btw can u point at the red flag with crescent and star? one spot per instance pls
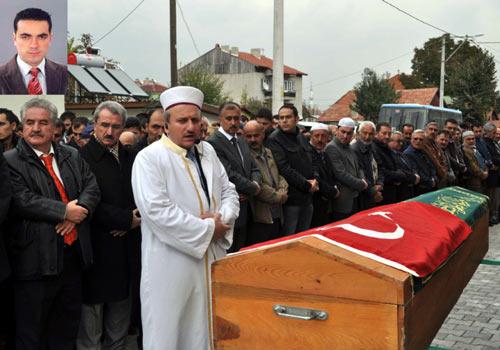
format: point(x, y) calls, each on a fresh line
point(411, 236)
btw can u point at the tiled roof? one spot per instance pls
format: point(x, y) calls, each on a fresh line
point(266, 62)
point(396, 83)
point(151, 87)
point(342, 107)
point(426, 96)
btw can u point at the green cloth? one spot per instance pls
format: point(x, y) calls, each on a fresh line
point(467, 205)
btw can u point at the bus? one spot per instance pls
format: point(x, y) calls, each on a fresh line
point(417, 115)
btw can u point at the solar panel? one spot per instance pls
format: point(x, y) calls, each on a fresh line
point(86, 80)
point(106, 80)
point(127, 82)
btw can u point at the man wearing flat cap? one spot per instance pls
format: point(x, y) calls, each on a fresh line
point(188, 209)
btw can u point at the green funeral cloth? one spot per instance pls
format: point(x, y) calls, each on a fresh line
point(467, 205)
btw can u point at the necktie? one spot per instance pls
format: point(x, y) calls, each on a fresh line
point(234, 141)
point(34, 87)
point(47, 161)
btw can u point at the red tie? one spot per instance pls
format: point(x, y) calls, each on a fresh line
point(47, 160)
point(34, 87)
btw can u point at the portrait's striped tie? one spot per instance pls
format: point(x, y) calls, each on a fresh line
point(34, 86)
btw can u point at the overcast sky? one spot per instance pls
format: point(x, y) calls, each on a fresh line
point(326, 39)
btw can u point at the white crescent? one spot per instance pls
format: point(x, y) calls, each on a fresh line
point(396, 234)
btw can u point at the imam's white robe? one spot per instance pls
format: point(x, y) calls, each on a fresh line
point(177, 246)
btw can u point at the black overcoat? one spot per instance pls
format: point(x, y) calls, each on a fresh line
point(109, 277)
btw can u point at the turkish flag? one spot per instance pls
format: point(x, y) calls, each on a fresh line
point(411, 236)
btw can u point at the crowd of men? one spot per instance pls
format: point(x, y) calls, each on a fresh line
point(76, 193)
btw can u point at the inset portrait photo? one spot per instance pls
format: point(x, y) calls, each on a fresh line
point(34, 50)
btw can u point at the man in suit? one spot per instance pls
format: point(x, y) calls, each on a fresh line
point(8, 126)
point(234, 154)
point(30, 72)
point(346, 170)
point(53, 195)
point(106, 308)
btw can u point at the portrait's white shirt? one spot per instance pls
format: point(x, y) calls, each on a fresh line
point(25, 70)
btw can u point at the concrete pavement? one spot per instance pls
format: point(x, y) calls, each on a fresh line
point(474, 322)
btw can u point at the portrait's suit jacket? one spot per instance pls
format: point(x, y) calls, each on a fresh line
point(12, 83)
point(241, 174)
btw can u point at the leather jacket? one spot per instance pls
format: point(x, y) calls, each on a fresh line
point(37, 250)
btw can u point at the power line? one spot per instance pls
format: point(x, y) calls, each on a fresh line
point(120, 22)
point(187, 27)
point(361, 71)
point(416, 18)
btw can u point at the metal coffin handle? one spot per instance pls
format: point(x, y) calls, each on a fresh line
point(300, 313)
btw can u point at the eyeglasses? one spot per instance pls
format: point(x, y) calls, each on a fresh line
point(418, 139)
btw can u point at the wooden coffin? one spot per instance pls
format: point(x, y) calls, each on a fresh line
point(354, 302)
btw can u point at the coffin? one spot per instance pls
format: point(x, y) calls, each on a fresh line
point(310, 294)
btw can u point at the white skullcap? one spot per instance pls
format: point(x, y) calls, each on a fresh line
point(467, 133)
point(319, 126)
point(347, 122)
point(181, 95)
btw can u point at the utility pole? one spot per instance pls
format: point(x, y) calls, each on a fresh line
point(444, 60)
point(278, 74)
point(173, 44)
point(441, 80)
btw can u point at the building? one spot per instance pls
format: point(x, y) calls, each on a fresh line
point(249, 75)
point(342, 107)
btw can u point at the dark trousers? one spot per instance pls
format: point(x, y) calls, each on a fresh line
point(48, 310)
point(239, 239)
point(7, 314)
point(258, 232)
point(337, 216)
point(296, 218)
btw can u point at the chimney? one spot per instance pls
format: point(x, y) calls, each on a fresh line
point(256, 52)
point(234, 51)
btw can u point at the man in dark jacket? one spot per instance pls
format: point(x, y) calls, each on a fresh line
point(291, 151)
point(393, 176)
point(4, 208)
point(328, 191)
point(6, 295)
point(421, 164)
point(363, 148)
point(54, 194)
point(407, 188)
point(493, 175)
point(346, 170)
point(106, 309)
point(234, 154)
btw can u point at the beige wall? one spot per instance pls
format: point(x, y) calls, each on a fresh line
point(15, 102)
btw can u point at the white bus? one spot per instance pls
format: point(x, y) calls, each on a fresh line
point(417, 115)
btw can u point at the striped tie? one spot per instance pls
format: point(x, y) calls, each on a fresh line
point(34, 87)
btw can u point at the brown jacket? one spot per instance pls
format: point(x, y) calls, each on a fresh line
point(473, 181)
point(438, 159)
point(269, 195)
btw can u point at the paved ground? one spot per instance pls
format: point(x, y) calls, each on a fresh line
point(474, 322)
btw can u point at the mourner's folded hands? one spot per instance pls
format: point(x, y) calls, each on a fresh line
point(136, 219)
point(65, 227)
point(75, 213)
point(220, 227)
